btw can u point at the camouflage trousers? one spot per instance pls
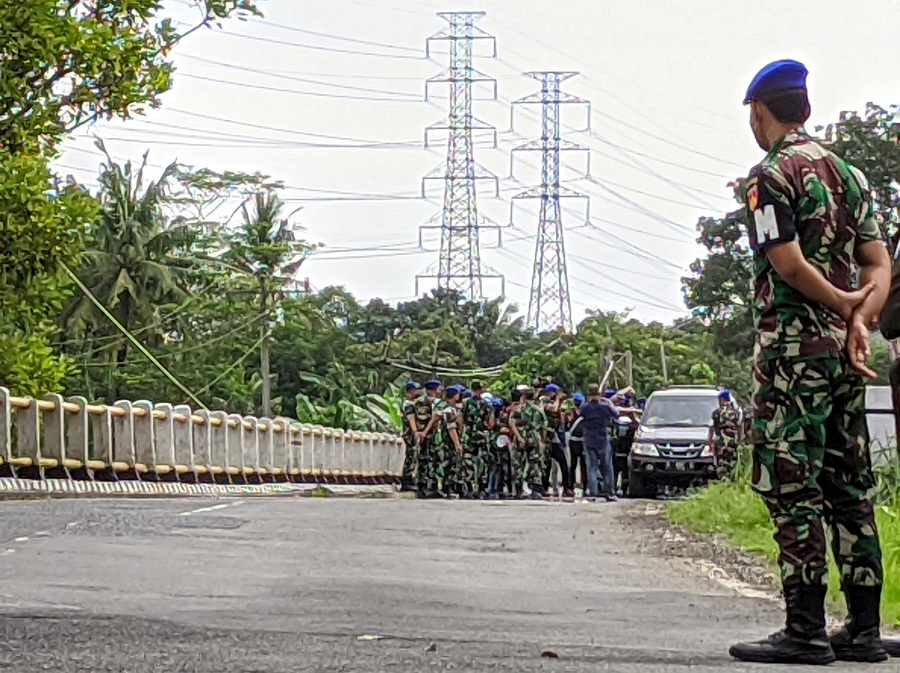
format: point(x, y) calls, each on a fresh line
point(410, 463)
point(531, 466)
point(516, 460)
point(465, 472)
point(726, 456)
point(811, 462)
point(431, 466)
point(499, 462)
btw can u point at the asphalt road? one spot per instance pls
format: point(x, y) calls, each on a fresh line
point(278, 585)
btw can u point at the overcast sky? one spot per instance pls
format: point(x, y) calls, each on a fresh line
point(666, 79)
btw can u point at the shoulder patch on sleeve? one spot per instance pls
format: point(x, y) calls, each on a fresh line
point(766, 224)
point(753, 198)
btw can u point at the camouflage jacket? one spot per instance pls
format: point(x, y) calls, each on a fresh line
point(424, 408)
point(804, 192)
point(408, 407)
point(531, 421)
point(726, 421)
point(446, 416)
point(477, 414)
point(554, 413)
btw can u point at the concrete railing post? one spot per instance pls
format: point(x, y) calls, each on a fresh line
point(218, 442)
point(53, 448)
point(296, 455)
point(164, 440)
point(28, 429)
point(184, 439)
point(235, 445)
point(266, 445)
point(251, 445)
point(144, 437)
point(281, 448)
point(5, 427)
point(78, 433)
point(201, 436)
point(123, 438)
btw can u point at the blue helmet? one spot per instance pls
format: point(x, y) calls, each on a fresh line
point(725, 395)
point(551, 388)
point(497, 402)
point(609, 394)
point(578, 398)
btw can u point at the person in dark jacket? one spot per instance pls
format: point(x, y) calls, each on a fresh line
point(596, 415)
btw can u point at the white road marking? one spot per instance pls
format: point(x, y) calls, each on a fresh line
point(21, 539)
point(211, 508)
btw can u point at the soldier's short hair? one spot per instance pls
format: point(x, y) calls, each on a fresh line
point(788, 107)
point(528, 394)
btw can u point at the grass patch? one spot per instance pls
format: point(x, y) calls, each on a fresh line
point(735, 511)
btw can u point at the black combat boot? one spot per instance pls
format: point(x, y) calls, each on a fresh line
point(803, 639)
point(860, 637)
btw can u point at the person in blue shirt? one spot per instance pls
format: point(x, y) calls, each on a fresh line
point(596, 415)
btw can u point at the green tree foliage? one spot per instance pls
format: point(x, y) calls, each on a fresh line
point(871, 142)
point(65, 63)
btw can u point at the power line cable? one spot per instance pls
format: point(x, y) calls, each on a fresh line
point(315, 94)
point(334, 50)
point(332, 36)
point(304, 80)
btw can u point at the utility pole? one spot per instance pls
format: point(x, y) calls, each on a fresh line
point(629, 368)
point(662, 357)
point(549, 305)
point(459, 266)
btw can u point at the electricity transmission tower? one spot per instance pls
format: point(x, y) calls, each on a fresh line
point(549, 305)
point(459, 265)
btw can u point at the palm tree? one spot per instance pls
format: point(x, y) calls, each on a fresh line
point(265, 247)
point(136, 261)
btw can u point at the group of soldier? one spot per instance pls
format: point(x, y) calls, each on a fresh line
point(467, 443)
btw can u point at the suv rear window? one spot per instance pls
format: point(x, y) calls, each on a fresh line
point(688, 411)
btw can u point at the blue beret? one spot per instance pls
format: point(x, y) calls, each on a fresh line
point(552, 388)
point(467, 393)
point(412, 385)
point(432, 385)
point(725, 395)
point(777, 76)
point(578, 397)
point(609, 394)
point(454, 390)
point(497, 402)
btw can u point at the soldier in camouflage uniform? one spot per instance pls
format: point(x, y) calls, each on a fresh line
point(516, 459)
point(411, 432)
point(529, 426)
point(448, 416)
point(498, 457)
point(725, 435)
point(810, 222)
point(430, 451)
point(478, 417)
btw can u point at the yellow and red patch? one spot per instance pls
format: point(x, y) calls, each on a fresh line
point(753, 197)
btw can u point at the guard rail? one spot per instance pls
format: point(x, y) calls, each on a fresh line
point(58, 438)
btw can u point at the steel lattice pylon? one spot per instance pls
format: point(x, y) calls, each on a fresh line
point(549, 305)
point(459, 265)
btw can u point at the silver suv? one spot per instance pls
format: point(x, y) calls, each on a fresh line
point(671, 445)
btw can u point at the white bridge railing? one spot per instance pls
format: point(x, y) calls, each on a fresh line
point(69, 438)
